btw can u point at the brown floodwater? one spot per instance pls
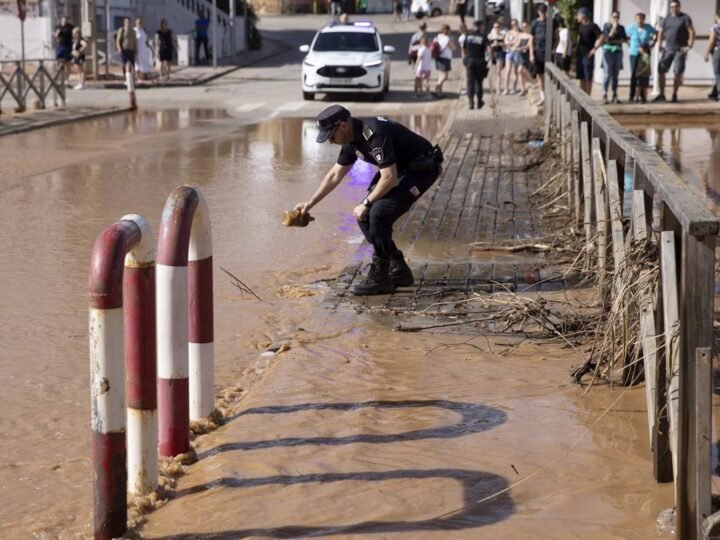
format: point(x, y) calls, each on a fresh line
point(356, 429)
point(689, 145)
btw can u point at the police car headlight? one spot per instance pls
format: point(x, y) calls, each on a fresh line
point(374, 63)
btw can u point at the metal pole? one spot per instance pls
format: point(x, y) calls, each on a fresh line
point(549, 34)
point(108, 34)
point(233, 41)
point(246, 29)
point(23, 104)
point(214, 32)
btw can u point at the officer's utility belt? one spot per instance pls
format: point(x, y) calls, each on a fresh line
point(427, 162)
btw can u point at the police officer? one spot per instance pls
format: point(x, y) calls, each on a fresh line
point(407, 166)
point(475, 46)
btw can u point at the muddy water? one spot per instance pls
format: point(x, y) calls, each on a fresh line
point(692, 149)
point(60, 187)
point(368, 465)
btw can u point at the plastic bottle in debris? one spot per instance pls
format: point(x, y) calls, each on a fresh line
point(536, 144)
point(666, 522)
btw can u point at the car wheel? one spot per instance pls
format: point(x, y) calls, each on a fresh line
point(436, 12)
point(419, 15)
point(308, 96)
point(386, 86)
point(379, 96)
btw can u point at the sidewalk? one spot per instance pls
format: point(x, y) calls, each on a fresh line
point(358, 430)
point(11, 123)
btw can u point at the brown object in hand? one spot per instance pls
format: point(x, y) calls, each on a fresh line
point(293, 218)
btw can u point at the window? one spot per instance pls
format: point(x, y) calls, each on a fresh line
point(346, 41)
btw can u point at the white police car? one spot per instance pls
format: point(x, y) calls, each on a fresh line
point(346, 58)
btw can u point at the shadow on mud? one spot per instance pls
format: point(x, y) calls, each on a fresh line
point(474, 418)
point(476, 485)
point(485, 499)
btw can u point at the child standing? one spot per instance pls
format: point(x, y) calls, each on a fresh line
point(423, 67)
point(643, 70)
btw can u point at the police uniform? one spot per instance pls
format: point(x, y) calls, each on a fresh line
point(475, 46)
point(383, 142)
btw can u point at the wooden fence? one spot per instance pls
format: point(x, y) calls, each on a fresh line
point(676, 321)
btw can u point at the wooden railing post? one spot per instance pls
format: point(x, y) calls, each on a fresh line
point(587, 182)
point(576, 164)
point(600, 181)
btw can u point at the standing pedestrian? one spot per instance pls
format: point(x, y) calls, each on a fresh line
point(126, 44)
point(523, 51)
point(443, 61)
point(612, 39)
point(202, 24)
point(496, 39)
point(63, 50)
point(679, 35)
point(538, 44)
point(335, 9)
point(397, 9)
point(166, 49)
point(643, 70)
point(512, 58)
point(79, 46)
point(461, 8)
point(407, 164)
point(405, 6)
point(638, 33)
point(423, 69)
point(144, 54)
point(562, 51)
point(475, 46)
point(713, 51)
point(588, 41)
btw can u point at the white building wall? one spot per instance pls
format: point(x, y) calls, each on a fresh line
point(697, 71)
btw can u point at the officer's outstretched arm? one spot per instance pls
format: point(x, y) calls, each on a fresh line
point(333, 177)
point(388, 180)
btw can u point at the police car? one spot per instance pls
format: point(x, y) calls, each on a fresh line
point(346, 58)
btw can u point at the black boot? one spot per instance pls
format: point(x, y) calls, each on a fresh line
point(378, 280)
point(714, 93)
point(400, 272)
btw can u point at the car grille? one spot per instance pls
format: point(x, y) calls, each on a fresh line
point(344, 72)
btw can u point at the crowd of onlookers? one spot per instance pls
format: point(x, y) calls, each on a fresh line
point(516, 54)
point(138, 53)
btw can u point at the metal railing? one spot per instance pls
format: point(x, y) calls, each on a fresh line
point(32, 78)
point(677, 320)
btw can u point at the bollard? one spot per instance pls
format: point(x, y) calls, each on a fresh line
point(130, 83)
point(140, 360)
point(185, 343)
point(107, 385)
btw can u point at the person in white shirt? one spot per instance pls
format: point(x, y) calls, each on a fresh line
point(423, 68)
point(562, 51)
point(443, 62)
point(496, 39)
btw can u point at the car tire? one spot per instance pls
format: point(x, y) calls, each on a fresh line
point(308, 96)
point(436, 12)
point(379, 96)
point(419, 15)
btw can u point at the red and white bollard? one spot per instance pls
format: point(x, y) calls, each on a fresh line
point(141, 363)
point(107, 364)
point(185, 343)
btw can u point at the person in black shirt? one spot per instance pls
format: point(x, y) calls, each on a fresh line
point(679, 34)
point(64, 37)
point(538, 44)
point(475, 47)
point(165, 48)
point(589, 39)
point(408, 165)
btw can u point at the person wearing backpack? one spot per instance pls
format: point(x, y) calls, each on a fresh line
point(415, 44)
point(442, 51)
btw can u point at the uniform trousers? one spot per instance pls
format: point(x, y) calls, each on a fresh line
point(377, 224)
point(475, 76)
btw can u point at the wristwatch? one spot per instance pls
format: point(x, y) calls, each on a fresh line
point(366, 202)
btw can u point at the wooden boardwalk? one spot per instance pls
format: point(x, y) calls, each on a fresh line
point(485, 194)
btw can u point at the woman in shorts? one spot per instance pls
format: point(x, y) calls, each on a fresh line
point(496, 37)
point(443, 62)
point(79, 45)
point(423, 68)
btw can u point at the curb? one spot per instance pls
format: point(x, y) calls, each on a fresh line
point(64, 120)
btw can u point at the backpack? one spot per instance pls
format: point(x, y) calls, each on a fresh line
point(414, 48)
point(435, 49)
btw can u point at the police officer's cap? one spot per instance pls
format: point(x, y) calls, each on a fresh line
point(328, 119)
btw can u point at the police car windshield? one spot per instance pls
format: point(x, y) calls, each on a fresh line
point(346, 41)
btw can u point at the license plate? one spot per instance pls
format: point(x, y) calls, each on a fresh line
point(340, 81)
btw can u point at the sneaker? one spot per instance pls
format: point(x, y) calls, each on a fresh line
point(674, 98)
point(378, 280)
point(400, 272)
point(523, 93)
point(78, 87)
point(615, 100)
point(660, 98)
point(506, 92)
point(540, 102)
point(471, 106)
point(713, 95)
point(605, 99)
point(481, 104)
